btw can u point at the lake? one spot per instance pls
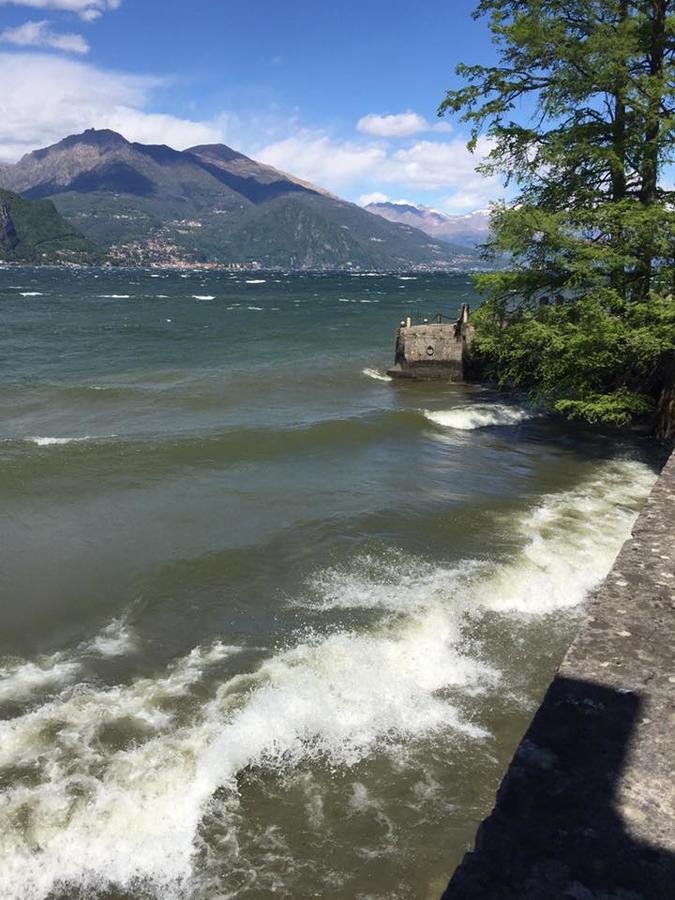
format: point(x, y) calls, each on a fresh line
point(272, 625)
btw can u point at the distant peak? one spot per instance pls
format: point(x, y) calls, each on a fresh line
point(97, 137)
point(104, 138)
point(397, 205)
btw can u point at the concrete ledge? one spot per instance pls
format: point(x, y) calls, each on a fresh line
point(587, 807)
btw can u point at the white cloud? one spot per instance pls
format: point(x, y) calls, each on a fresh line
point(39, 34)
point(423, 166)
point(460, 201)
point(378, 197)
point(86, 9)
point(398, 125)
point(314, 157)
point(433, 165)
point(375, 197)
point(44, 98)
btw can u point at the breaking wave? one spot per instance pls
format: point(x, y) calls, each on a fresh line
point(468, 418)
point(90, 812)
point(377, 375)
point(55, 441)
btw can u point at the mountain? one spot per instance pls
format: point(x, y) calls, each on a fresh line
point(32, 231)
point(468, 230)
point(149, 203)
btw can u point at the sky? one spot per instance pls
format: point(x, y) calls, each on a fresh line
point(343, 94)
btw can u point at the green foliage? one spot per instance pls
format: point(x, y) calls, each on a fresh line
point(598, 358)
point(583, 316)
point(32, 231)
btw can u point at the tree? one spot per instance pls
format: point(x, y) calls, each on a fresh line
point(580, 115)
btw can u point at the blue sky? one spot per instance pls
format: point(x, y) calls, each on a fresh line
point(343, 94)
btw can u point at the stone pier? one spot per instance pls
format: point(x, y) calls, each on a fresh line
point(433, 350)
point(586, 810)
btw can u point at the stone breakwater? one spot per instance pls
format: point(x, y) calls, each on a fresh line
point(586, 809)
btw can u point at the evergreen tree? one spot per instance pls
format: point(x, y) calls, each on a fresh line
point(584, 315)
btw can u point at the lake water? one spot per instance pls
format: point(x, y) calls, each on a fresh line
point(271, 625)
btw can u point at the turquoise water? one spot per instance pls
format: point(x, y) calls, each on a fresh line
point(272, 624)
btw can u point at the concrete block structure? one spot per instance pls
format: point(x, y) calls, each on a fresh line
point(433, 350)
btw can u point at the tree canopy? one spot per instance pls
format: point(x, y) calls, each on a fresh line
point(580, 117)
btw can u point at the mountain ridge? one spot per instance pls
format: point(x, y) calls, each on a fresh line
point(149, 203)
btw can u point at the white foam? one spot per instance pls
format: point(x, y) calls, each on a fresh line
point(115, 296)
point(32, 294)
point(255, 308)
point(60, 441)
point(480, 415)
point(256, 281)
point(395, 583)
point(53, 441)
point(138, 809)
point(203, 297)
point(378, 376)
point(570, 542)
point(20, 680)
point(116, 639)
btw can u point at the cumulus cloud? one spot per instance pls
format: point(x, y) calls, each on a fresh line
point(433, 165)
point(397, 125)
point(314, 157)
point(86, 9)
point(39, 34)
point(423, 166)
point(44, 98)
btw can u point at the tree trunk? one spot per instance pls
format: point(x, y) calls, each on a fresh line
point(650, 157)
point(618, 174)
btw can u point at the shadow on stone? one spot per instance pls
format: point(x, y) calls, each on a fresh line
point(557, 830)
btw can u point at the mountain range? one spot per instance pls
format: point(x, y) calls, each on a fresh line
point(144, 203)
point(470, 229)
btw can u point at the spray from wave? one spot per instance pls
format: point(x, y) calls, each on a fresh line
point(468, 418)
point(92, 812)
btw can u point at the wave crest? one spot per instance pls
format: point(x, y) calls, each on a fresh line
point(480, 415)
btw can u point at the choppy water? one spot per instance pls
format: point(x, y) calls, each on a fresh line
point(271, 624)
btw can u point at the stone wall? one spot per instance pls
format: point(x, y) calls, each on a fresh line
point(586, 810)
point(433, 350)
point(428, 351)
